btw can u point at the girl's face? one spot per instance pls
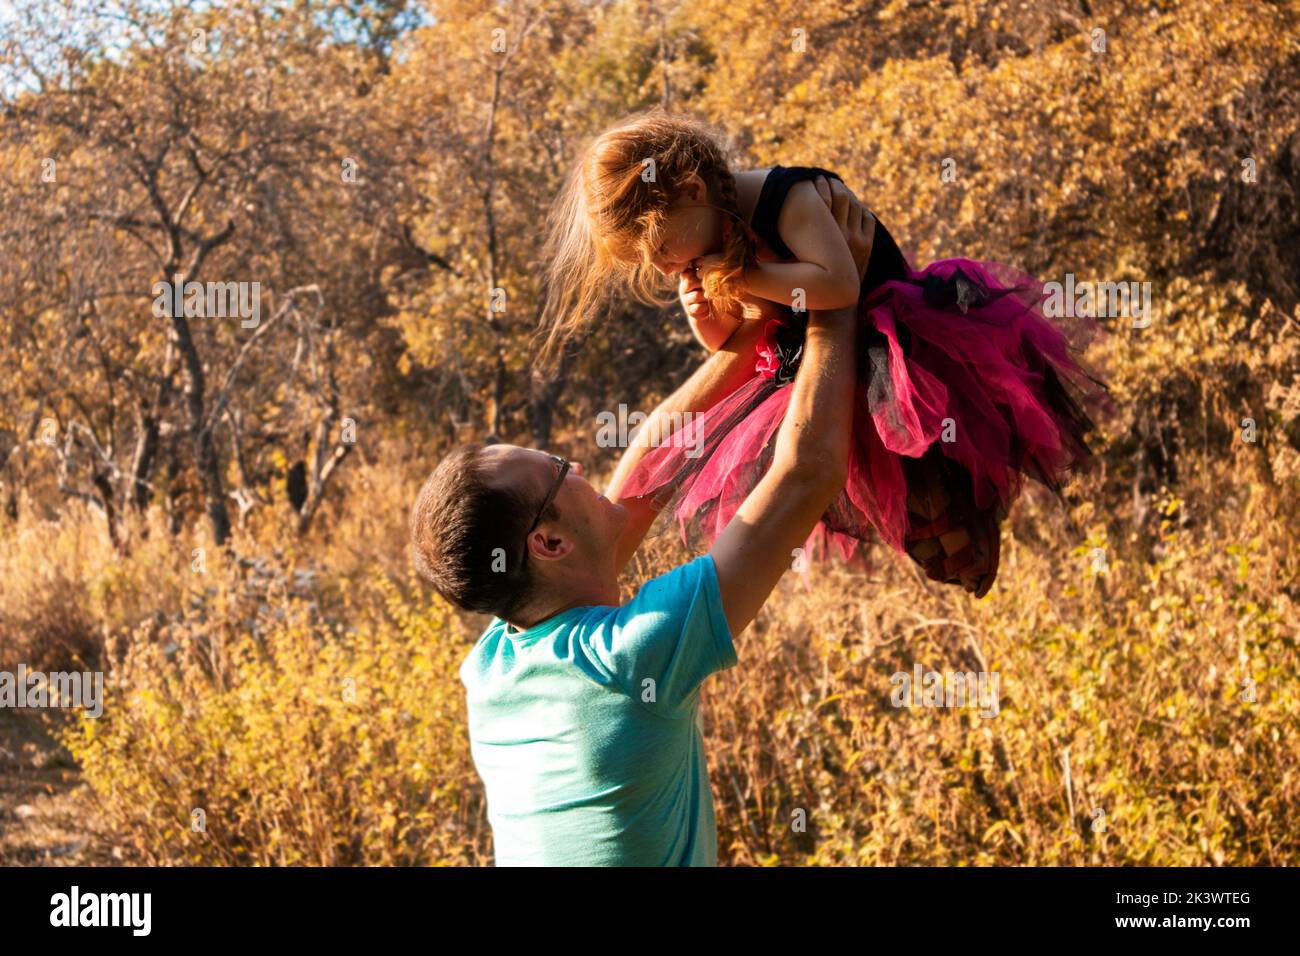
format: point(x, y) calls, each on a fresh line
point(693, 228)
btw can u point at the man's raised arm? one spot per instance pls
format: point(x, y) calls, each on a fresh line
point(808, 470)
point(810, 461)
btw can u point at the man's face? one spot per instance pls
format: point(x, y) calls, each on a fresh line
point(588, 520)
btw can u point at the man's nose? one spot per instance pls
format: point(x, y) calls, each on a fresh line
point(576, 467)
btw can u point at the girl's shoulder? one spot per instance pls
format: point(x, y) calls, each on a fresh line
point(771, 198)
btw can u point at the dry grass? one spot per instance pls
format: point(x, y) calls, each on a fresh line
point(239, 704)
point(48, 816)
point(306, 699)
point(1128, 685)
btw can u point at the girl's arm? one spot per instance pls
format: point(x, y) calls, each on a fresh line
point(826, 271)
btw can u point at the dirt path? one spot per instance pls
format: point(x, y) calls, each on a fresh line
point(47, 815)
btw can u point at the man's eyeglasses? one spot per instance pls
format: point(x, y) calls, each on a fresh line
point(564, 470)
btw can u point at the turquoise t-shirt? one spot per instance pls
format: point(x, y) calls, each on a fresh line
point(585, 728)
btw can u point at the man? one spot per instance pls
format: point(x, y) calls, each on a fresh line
point(583, 712)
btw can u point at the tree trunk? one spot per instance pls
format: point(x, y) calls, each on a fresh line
point(205, 452)
point(545, 397)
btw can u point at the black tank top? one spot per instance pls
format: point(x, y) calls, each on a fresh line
point(886, 260)
point(886, 263)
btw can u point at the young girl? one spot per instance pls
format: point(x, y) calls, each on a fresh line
point(965, 386)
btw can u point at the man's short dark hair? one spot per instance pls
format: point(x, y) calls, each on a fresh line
point(467, 538)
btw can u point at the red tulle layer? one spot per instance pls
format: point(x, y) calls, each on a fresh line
point(998, 387)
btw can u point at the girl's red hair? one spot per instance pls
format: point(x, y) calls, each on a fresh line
point(608, 220)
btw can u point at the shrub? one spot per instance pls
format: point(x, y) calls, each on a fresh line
point(302, 744)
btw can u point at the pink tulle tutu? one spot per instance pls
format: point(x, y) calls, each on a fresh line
point(957, 356)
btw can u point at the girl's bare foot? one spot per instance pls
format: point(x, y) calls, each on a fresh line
point(930, 503)
point(952, 542)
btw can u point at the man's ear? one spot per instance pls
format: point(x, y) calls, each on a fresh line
point(549, 547)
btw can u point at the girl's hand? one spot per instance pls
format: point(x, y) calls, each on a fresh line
point(713, 328)
point(691, 293)
point(704, 266)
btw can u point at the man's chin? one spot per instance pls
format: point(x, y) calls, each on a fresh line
point(617, 513)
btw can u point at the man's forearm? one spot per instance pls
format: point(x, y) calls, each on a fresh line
point(809, 467)
point(814, 436)
point(721, 374)
point(718, 377)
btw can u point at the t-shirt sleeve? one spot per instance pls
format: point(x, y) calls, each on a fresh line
point(661, 645)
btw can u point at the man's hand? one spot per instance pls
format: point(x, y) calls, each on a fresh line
point(809, 467)
point(854, 219)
